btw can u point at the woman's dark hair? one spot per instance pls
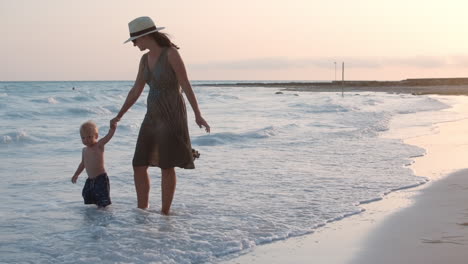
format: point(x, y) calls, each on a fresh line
point(163, 40)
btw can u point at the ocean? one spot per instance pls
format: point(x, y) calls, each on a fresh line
point(275, 166)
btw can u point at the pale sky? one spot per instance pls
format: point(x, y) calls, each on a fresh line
point(238, 40)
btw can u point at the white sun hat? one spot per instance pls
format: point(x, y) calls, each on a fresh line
point(141, 26)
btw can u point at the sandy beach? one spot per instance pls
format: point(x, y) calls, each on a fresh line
point(426, 224)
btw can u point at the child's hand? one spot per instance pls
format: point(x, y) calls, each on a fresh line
point(74, 178)
point(115, 120)
point(113, 124)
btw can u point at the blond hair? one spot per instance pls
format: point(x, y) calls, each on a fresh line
point(88, 126)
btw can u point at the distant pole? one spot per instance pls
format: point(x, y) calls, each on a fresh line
point(342, 80)
point(335, 71)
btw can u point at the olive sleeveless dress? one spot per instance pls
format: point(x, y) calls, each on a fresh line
point(164, 139)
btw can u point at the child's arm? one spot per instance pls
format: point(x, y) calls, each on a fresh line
point(79, 170)
point(109, 135)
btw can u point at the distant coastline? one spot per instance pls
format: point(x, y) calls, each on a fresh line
point(445, 86)
point(442, 86)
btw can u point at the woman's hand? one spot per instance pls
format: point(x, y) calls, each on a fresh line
point(113, 125)
point(114, 121)
point(202, 123)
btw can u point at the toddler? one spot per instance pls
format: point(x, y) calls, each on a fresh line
point(96, 189)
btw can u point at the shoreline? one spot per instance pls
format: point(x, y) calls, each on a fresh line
point(354, 239)
point(432, 230)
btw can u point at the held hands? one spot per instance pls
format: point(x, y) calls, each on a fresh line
point(113, 124)
point(202, 123)
point(114, 121)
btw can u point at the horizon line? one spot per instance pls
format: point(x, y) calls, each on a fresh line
point(255, 80)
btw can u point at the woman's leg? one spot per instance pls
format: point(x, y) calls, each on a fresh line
point(142, 185)
point(168, 185)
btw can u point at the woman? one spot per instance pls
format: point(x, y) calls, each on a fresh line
point(164, 139)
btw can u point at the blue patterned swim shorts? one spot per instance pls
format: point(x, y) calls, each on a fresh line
point(97, 191)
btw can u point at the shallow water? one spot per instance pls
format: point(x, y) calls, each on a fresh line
point(274, 166)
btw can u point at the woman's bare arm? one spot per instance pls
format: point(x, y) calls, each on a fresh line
point(134, 93)
point(178, 65)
